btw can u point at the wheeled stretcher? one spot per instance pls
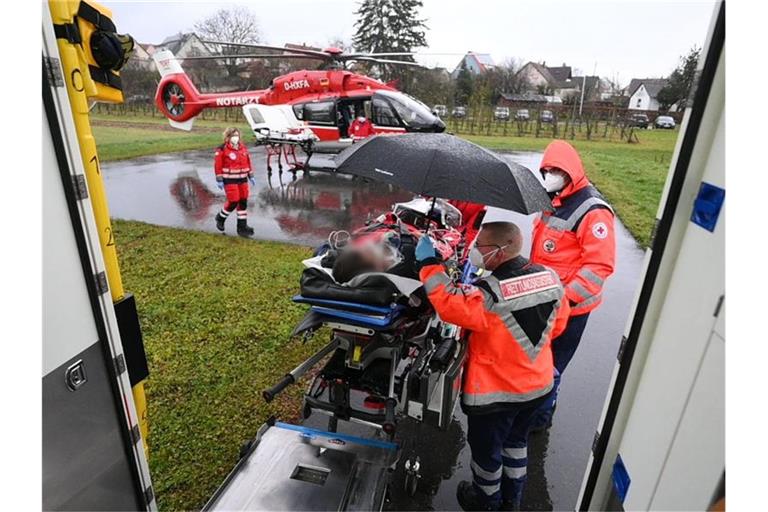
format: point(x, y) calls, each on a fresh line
point(383, 362)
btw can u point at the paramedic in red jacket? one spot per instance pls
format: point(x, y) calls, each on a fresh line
point(361, 127)
point(576, 240)
point(472, 215)
point(512, 316)
point(232, 165)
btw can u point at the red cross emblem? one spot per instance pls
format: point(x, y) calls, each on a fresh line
point(600, 230)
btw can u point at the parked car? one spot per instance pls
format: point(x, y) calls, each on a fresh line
point(440, 110)
point(522, 115)
point(639, 121)
point(459, 112)
point(501, 113)
point(665, 122)
point(546, 116)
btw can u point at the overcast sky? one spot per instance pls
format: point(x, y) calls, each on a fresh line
point(619, 38)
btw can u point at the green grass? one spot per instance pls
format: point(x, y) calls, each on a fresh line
point(119, 138)
point(216, 316)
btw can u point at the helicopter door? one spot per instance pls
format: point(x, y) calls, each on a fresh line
point(320, 117)
point(347, 109)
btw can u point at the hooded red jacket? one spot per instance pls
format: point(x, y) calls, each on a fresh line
point(471, 218)
point(577, 240)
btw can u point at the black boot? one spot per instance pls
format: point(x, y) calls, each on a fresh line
point(469, 498)
point(508, 505)
point(243, 229)
point(220, 219)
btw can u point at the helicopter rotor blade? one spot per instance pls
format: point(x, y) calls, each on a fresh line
point(389, 61)
point(251, 56)
point(398, 54)
point(308, 52)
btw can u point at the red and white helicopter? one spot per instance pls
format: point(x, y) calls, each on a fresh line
point(300, 108)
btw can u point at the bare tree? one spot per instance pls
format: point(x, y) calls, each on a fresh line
point(340, 43)
point(234, 25)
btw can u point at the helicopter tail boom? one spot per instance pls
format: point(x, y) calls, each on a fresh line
point(180, 101)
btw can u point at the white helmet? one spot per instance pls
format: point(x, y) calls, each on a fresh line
point(419, 211)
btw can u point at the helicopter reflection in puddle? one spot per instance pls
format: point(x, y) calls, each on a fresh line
point(314, 205)
point(305, 209)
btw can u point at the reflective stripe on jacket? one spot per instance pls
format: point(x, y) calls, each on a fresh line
point(512, 316)
point(232, 165)
point(578, 239)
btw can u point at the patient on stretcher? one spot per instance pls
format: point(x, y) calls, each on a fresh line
point(375, 264)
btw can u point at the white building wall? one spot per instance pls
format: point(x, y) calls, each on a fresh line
point(533, 78)
point(640, 100)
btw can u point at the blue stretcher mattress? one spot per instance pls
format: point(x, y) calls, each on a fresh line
point(359, 314)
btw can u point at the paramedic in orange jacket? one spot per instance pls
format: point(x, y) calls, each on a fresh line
point(576, 240)
point(511, 316)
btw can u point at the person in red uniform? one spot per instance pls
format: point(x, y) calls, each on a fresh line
point(472, 215)
point(361, 127)
point(512, 317)
point(576, 240)
point(232, 165)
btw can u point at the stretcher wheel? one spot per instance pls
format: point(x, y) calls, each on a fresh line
point(411, 483)
point(412, 475)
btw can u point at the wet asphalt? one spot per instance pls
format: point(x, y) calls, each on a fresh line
point(179, 190)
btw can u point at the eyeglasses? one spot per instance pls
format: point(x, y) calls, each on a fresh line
point(497, 246)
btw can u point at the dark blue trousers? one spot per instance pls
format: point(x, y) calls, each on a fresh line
point(563, 349)
point(499, 444)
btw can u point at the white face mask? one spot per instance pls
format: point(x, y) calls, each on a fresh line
point(480, 260)
point(361, 118)
point(234, 140)
point(554, 181)
point(476, 258)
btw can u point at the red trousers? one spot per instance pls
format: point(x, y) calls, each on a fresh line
point(237, 197)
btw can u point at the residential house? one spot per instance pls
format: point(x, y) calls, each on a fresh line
point(476, 63)
point(182, 45)
point(642, 93)
point(557, 81)
point(539, 78)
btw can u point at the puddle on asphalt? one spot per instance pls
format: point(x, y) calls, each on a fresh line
point(179, 190)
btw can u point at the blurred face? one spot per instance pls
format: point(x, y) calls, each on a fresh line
point(372, 257)
point(234, 139)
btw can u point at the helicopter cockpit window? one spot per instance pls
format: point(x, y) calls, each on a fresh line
point(383, 113)
point(298, 111)
point(320, 112)
point(412, 112)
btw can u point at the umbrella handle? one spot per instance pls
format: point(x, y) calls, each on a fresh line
point(429, 215)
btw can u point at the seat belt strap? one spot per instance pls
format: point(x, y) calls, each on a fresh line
point(106, 77)
point(68, 31)
point(93, 16)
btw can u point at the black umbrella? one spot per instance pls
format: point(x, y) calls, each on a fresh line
point(446, 166)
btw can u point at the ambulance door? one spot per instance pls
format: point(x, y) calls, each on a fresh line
point(660, 443)
point(93, 455)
